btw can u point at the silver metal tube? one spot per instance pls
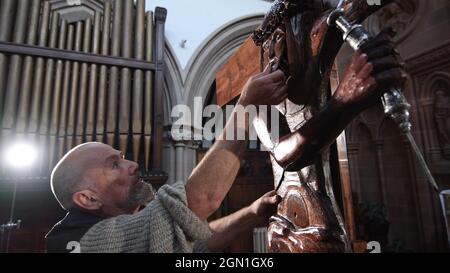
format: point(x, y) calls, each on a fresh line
point(15, 67)
point(92, 91)
point(148, 90)
point(48, 82)
point(72, 119)
point(39, 72)
point(44, 155)
point(422, 161)
point(56, 106)
point(102, 87)
point(125, 77)
point(6, 19)
point(82, 99)
point(111, 122)
point(138, 81)
point(25, 87)
point(63, 121)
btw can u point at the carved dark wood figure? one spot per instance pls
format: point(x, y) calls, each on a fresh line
point(296, 38)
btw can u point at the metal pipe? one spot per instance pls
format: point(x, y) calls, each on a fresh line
point(82, 99)
point(33, 125)
point(56, 107)
point(38, 80)
point(63, 121)
point(112, 117)
point(102, 86)
point(25, 87)
point(15, 67)
point(6, 17)
point(92, 91)
point(125, 78)
point(160, 18)
point(47, 100)
point(138, 81)
point(72, 119)
point(148, 93)
point(422, 161)
point(48, 82)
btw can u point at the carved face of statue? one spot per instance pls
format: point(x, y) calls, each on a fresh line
point(288, 47)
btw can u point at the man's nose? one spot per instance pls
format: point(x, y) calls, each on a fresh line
point(133, 168)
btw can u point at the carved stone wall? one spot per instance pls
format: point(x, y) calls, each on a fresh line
point(382, 166)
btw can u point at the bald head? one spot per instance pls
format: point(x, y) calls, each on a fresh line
point(69, 174)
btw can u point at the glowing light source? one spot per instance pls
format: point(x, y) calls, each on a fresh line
point(20, 155)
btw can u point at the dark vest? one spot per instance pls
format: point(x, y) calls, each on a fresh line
point(65, 236)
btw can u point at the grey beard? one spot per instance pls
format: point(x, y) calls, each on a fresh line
point(142, 196)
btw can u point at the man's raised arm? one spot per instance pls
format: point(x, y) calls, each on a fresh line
point(211, 180)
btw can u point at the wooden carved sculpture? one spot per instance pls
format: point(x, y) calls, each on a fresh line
point(295, 38)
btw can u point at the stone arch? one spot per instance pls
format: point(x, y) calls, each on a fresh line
point(403, 16)
point(183, 85)
point(432, 81)
point(196, 79)
point(214, 53)
point(355, 129)
point(436, 93)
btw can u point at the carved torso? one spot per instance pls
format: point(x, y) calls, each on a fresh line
point(307, 219)
point(296, 39)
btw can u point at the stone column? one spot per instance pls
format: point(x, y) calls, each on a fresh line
point(380, 168)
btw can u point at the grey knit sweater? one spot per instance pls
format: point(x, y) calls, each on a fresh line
point(165, 225)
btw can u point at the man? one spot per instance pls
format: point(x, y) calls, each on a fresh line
point(102, 192)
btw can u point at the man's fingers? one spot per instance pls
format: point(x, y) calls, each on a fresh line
point(265, 72)
point(272, 199)
point(275, 199)
point(276, 77)
point(280, 94)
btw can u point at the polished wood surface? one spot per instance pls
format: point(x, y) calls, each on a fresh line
point(297, 40)
point(232, 77)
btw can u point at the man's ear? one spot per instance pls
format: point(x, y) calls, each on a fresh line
point(86, 199)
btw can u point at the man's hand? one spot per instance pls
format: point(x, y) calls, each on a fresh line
point(265, 88)
point(264, 207)
point(212, 178)
point(227, 229)
point(375, 68)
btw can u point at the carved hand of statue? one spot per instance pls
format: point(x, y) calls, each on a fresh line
point(265, 88)
point(374, 69)
point(264, 207)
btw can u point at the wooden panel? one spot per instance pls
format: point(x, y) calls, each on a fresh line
point(234, 74)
